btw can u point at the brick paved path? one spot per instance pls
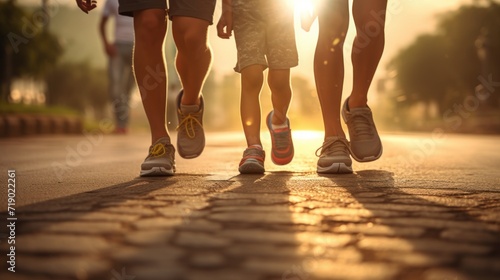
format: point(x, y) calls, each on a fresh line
point(373, 224)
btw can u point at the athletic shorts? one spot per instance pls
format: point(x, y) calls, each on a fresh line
point(264, 34)
point(202, 9)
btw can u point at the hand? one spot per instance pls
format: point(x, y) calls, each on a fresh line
point(86, 5)
point(111, 50)
point(225, 24)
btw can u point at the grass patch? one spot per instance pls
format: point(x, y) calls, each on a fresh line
point(38, 110)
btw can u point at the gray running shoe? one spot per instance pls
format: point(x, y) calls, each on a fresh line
point(161, 159)
point(190, 136)
point(365, 142)
point(334, 157)
point(252, 161)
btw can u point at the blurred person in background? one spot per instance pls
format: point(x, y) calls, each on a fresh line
point(119, 52)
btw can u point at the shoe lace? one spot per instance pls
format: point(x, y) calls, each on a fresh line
point(157, 150)
point(333, 146)
point(281, 139)
point(252, 152)
point(362, 126)
point(189, 122)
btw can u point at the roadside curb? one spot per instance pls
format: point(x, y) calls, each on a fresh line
point(22, 125)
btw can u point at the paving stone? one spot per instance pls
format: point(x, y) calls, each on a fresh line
point(182, 190)
point(354, 212)
point(175, 198)
point(200, 240)
point(374, 229)
point(447, 201)
point(266, 218)
point(405, 207)
point(324, 239)
point(162, 271)
point(149, 237)
point(112, 217)
point(262, 250)
point(255, 208)
point(201, 225)
point(470, 236)
point(221, 274)
point(138, 203)
point(326, 269)
point(437, 223)
point(258, 235)
point(157, 255)
point(58, 243)
point(444, 273)
point(25, 276)
point(157, 222)
point(490, 264)
point(207, 260)
point(74, 227)
point(347, 255)
point(371, 200)
point(133, 210)
point(415, 259)
point(316, 204)
point(274, 267)
point(260, 198)
point(66, 266)
point(369, 194)
point(425, 245)
point(345, 218)
point(230, 202)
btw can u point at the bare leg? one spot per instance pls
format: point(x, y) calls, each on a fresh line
point(279, 83)
point(329, 63)
point(252, 78)
point(194, 55)
point(149, 67)
point(369, 17)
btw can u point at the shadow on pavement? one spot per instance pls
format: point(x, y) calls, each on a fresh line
point(428, 232)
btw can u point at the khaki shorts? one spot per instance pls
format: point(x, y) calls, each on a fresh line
point(202, 9)
point(264, 34)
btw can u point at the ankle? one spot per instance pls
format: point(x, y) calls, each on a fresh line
point(357, 102)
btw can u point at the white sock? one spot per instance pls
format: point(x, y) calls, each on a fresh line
point(279, 126)
point(256, 146)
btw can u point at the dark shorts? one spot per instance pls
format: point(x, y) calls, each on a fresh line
point(202, 9)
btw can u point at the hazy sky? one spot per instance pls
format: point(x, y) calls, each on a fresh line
point(406, 20)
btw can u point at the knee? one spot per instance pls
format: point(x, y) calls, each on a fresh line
point(252, 78)
point(192, 42)
point(150, 26)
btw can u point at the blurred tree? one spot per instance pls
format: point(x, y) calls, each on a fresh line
point(79, 86)
point(304, 95)
point(26, 48)
point(443, 68)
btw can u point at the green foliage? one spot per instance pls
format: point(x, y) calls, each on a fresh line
point(26, 47)
point(78, 86)
point(443, 68)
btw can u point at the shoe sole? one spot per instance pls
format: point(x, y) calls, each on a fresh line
point(157, 171)
point(335, 168)
point(367, 159)
point(251, 166)
point(184, 156)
